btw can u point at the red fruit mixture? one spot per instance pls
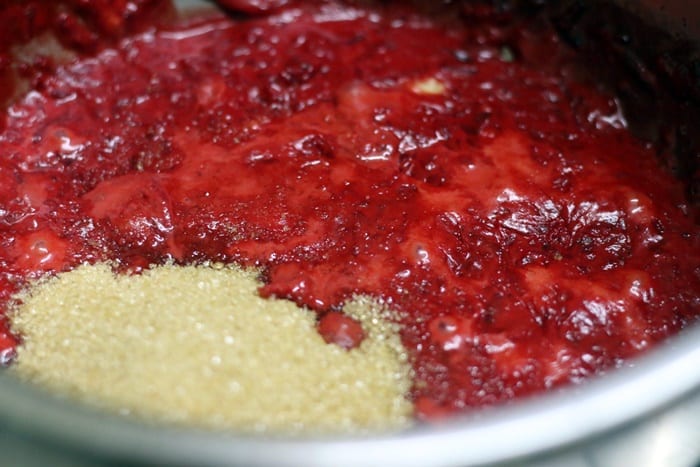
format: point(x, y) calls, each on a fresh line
point(526, 239)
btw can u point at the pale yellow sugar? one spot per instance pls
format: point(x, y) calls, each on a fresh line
point(197, 345)
point(428, 86)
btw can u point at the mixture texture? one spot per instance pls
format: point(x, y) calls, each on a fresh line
point(462, 174)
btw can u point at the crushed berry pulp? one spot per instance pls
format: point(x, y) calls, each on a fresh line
point(460, 173)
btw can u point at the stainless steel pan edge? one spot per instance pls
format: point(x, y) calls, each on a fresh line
point(681, 17)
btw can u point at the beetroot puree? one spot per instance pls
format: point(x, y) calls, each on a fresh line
point(526, 238)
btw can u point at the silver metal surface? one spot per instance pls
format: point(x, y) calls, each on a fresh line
point(682, 17)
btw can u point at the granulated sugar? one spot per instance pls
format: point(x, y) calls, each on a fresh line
point(197, 345)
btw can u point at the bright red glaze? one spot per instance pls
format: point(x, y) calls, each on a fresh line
point(527, 239)
point(340, 329)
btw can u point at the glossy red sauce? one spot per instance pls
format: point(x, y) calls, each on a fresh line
point(526, 237)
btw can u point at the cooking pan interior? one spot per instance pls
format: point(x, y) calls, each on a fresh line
point(663, 378)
